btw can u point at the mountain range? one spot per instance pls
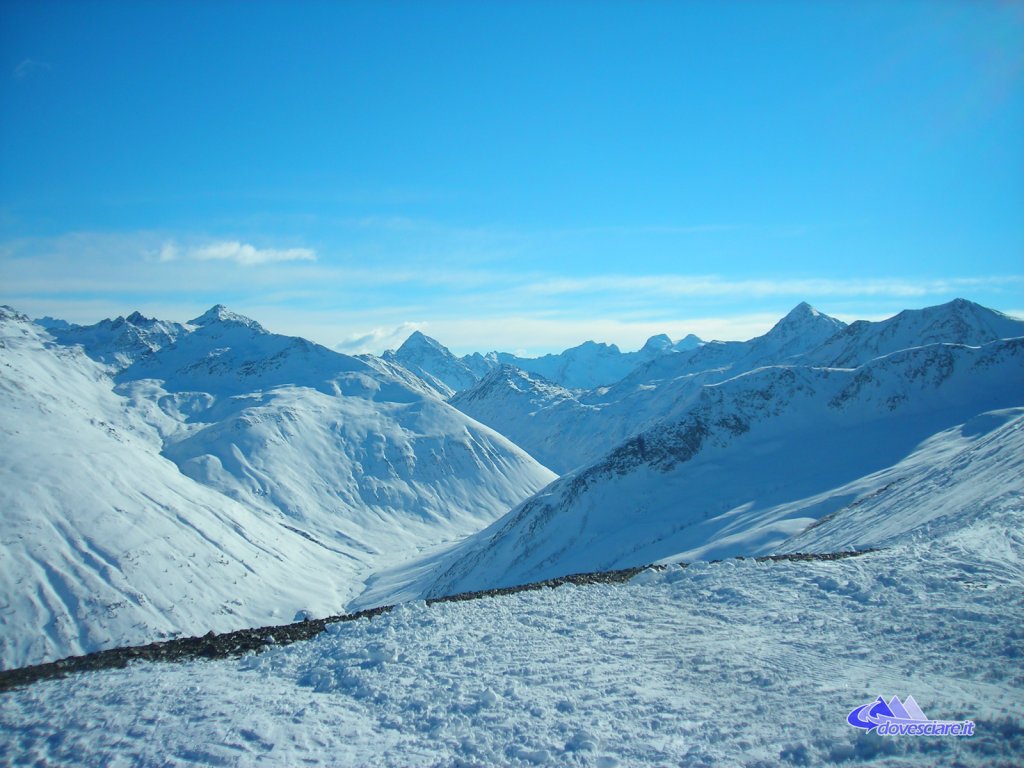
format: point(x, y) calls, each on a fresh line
point(163, 478)
point(160, 478)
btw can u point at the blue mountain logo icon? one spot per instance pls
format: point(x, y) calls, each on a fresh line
point(904, 718)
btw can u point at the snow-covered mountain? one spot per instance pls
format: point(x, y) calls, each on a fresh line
point(755, 460)
point(434, 363)
point(589, 365)
point(565, 429)
point(570, 429)
point(121, 341)
point(959, 322)
point(802, 330)
point(531, 411)
point(216, 477)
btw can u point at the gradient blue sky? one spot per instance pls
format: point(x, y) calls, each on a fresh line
point(521, 176)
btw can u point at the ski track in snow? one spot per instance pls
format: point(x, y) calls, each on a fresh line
point(733, 664)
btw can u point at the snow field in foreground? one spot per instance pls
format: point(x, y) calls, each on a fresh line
point(735, 663)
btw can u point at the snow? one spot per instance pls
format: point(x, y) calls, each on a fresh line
point(587, 366)
point(566, 429)
point(434, 364)
point(217, 477)
point(958, 321)
point(161, 479)
point(92, 557)
point(753, 461)
point(737, 663)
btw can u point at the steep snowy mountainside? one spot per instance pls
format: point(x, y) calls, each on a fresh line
point(586, 366)
point(755, 460)
point(802, 329)
point(359, 466)
point(424, 384)
point(226, 353)
point(105, 542)
point(688, 342)
point(53, 323)
point(533, 412)
point(377, 477)
point(121, 341)
point(591, 364)
point(292, 427)
point(569, 429)
point(566, 429)
point(565, 435)
point(960, 473)
point(481, 365)
point(434, 363)
point(220, 315)
point(958, 322)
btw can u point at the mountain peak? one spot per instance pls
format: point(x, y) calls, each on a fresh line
point(657, 343)
point(800, 331)
point(592, 347)
point(10, 313)
point(803, 309)
point(688, 342)
point(803, 315)
point(420, 340)
point(219, 314)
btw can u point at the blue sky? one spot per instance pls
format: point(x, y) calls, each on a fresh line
point(520, 176)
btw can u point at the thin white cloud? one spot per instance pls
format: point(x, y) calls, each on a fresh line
point(713, 286)
point(666, 229)
point(378, 339)
point(30, 67)
point(471, 305)
point(168, 251)
point(248, 255)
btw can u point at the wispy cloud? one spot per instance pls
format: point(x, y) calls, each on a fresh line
point(248, 255)
point(378, 339)
point(168, 251)
point(652, 229)
point(30, 67)
point(713, 286)
point(367, 299)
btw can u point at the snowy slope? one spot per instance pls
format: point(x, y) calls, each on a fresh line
point(755, 460)
point(586, 366)
point(105, 542)
point(434, 363)
point(349, 467)
point(565, 430)
point(959, 322)
point(732, 664)
point(327, 440)
point(959, 473)
point(800, 331)
point(121, 341)
point(534, 413)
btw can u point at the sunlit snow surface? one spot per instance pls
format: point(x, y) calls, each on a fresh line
point(230, 478)
point(735, 663)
